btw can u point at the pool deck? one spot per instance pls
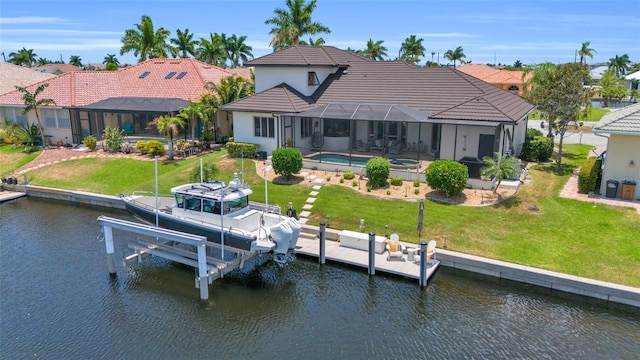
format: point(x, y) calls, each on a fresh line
point(424, 163)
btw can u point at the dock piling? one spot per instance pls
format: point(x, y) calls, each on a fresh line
point(321, 257)
point(423, 264)
point(372, 253)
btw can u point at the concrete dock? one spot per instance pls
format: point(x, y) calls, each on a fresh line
point(10, 195)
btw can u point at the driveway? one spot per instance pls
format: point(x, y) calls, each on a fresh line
point(600, 142)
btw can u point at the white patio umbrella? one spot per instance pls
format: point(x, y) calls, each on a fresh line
point(420, 226)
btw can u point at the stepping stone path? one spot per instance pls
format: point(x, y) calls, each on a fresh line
point(304, 215)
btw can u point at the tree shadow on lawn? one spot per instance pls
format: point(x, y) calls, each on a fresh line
point(293, 180)
point(553, 169)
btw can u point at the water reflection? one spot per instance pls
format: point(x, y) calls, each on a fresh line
point(58, 301)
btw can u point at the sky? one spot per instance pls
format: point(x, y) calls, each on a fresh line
point(489, 31)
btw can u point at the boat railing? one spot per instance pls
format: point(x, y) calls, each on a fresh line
point(275, 209)
point(141, 194)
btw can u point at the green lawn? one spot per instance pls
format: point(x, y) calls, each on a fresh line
point(536, 227)
point(12, 158)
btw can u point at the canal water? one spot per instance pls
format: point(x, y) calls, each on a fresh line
point(58, 301)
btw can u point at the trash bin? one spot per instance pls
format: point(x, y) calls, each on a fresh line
point(628, 189)
point(612, 188)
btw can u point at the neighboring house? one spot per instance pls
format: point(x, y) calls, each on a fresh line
point(57, 69)
point(622, 161)
point(327, 99)
point(12, 75)
point(511, 80)
point(632, 80)
point(597, 72)
point(89, 101)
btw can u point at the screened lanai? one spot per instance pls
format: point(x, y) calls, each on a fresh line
point(363, 129)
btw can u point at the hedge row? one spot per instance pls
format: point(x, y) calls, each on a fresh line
point(235, 149)
point(589, 175)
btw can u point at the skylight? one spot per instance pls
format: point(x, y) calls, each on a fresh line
point(144, 74)
point(170, 75)
point(181, 75)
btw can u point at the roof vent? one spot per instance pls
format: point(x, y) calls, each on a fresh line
point(144, 74)
point(170, 75)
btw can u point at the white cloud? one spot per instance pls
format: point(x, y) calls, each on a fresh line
point(447, 35)
point(67, 44)
point(52, 32)
point(31, 20)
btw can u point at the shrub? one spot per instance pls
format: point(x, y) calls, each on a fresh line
point(388, 192)
point(396, 181)
point(341, 180)
point(416, 191)
point(28, 135)
point(113, 138)
point(378, 169)
point(537, 149)
point(416, 183)
point(286, 161)
point(141, 146)
point(155, 148)
point(533, 133)
point(237, 150)
point(447, 175)
point(589, 175)
point(90, 142)
point(328, 178)
point(208, 173)
point(354, 183)
point(349, 175)
point(368, 188)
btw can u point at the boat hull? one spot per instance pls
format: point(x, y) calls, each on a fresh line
point(170, 222)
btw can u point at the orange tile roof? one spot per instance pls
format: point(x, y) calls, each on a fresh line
point(493, 75)
point(80, 88)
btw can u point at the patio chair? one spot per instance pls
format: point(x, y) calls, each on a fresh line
point(394, 248)
point(394, 147)
point(431, 252)
point(128, 129)
point(362, 146)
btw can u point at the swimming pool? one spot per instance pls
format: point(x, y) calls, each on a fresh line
point(360, 160)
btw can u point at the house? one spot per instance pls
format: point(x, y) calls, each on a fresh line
point(622, 162)
point(57, 69)
point(511, 80)
point(323, 99)
point(89, 101)
point(12, 75)
point(597, 72)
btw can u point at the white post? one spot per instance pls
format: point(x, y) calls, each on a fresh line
point(222, 222)
point(266, 192)
point(156, 176)
point(201, 173)
point(108, 240)
point(202, 272)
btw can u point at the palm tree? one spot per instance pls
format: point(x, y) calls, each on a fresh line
point(585, 51)
point(23, 57)
point(375, 50)
point(290, 24)
point(412, 49)
point(75, 60)
point(455, 55)
point(184, 43)
point(169, 126)
point(212, 50)
point(43, 61)
point(111, 62)
point(318, 42)
point(230, 89)
point(619, 64)
point(237, 50)
point(144, 41)
point(32, 102)
point(500, 168)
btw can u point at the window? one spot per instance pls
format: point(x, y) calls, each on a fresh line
point(192, 203)
point(336, 127)
point(513, 88)
point(170, 75)
point(305, 127)
point(57, 119)
point(181, 75)
point(264, 127)
point(312, 79)
point(144, 74)
point(15, 115)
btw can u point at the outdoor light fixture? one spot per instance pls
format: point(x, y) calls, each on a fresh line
point(361, 225)
point(632, 163)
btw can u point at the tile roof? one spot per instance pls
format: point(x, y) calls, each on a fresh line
point(442, 92)
point(623, 121)
point(12, 75)
point(301, 55)
point(57, 68)
point(493, 75)
point(80, 88)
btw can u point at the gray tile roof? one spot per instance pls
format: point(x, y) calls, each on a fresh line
point(442, 92)
point(623, 121)
point(280, 99)
point(300, 55)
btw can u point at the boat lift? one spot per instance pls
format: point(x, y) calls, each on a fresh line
point(165, 245)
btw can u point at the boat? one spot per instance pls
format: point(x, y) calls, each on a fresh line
point(195, 208)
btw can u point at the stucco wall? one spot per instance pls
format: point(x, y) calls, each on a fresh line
point(266, 78)
point(621, 150)
point(243, 131)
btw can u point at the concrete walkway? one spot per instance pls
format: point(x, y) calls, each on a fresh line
point(570, 191)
